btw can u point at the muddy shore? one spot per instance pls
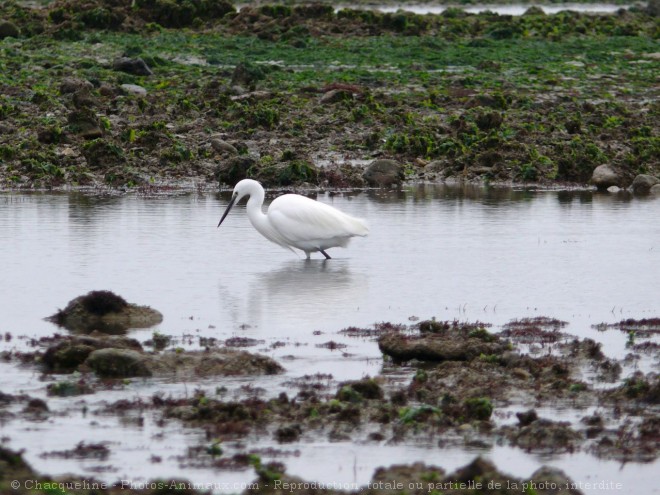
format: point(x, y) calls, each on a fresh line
point(102, 94)
point(462, 377)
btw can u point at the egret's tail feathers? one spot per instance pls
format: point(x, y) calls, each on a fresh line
point(359, 227)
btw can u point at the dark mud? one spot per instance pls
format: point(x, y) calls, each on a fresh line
point(106, 93)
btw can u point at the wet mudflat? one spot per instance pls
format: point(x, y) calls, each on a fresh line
point(516, 325)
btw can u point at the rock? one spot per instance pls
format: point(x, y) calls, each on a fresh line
point(223, 146)
point(614, 189)
point(9, 29)
point(118, 363)
point(527, 417)
point(438, 347)
point(357, 390)
point(106, 312)
point(655, 190)
point(552, 481)
point(36, 405)
point(107, 90)
point(235, 169)
point(83, 98)
point(543, 435)
point(336, 95)
point(102, 154)
point(436, 168)
point(653, 8)
point(135, 66)
point(391, 480)
point(69, 356)
point(479, 408)
point(222, 362)
point(134, 89)
point(605, 176)
point(72, 84)
point(85, 123)
point(246, 75)
point(643, 183)
point(534, 10)
point(235, 363)
point(383, 173)
point(288, 433)
point(69, 353)
point(489, 120)
point(477, 469)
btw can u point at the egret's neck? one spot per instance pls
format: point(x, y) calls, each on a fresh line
point(253, 208)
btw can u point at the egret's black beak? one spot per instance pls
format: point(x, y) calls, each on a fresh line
point(231, 203)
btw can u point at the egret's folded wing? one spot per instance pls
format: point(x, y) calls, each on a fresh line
point(298, 218)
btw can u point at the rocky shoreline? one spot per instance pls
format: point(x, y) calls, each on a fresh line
point(101, 94)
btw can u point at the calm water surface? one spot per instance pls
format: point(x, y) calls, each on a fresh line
point(434, 251)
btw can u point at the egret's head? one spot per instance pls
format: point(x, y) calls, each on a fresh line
point(246, 187)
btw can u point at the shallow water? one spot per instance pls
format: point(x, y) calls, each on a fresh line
point(434, 251)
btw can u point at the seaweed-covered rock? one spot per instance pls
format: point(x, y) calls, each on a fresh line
point(639, 387)
point(643, 183)
point(288, 433)
point(438, 347)
point(246, 75)
point(73, 85)
point(544, 435)
point(479, 476)
point(106, 312)
point(479, 408)
point(358, 390)
point(14, 468)
point(135, 66)
point(235, 363)
point(176, 14)
point(383, 173)
point(70, 352)
point(9, 29)
point(235, 169)
point(85, 124)
point(118, 363)
point(551, 481)
point(392, 480)
point(527, 417)
point(222, 146)
point(67, 356)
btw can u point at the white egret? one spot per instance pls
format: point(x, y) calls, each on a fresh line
point(294, 221)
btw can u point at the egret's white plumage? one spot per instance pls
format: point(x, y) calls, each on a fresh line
point(294, 221)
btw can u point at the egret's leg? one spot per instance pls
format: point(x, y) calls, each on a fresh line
point(327, 257)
